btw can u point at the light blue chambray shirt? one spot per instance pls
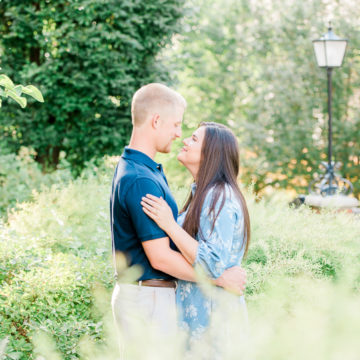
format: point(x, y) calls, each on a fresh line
point(218, 250)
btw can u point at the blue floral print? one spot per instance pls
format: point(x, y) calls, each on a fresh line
point(219, 248)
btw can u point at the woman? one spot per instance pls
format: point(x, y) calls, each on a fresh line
point(213, 228)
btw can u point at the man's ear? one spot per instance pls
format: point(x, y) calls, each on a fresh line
point(155, 121)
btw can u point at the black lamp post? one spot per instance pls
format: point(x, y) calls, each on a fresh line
point(330, 51)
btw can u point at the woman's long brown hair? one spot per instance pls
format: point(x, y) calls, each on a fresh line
point(219, 165)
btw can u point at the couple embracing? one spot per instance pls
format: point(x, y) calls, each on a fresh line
point(211, 231)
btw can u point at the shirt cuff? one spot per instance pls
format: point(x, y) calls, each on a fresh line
point(155, 236)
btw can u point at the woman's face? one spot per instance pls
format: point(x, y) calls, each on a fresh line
point(190, 154)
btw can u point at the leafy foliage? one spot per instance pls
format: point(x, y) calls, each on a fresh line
point(56, 251)
point(51, 260)
point(15, 91)
point(20, 176)
point(88, 57)
point(250, 64)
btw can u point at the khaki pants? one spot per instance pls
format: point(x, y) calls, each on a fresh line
point(142, 313)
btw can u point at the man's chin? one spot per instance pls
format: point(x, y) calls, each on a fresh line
point(166, 149)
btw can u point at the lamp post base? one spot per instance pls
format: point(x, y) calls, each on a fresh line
point(340, 202)
point(330, 183)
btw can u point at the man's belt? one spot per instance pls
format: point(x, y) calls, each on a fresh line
point(158, 283)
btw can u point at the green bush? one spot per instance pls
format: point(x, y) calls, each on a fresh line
point(20, 176)
point(55, 255)
point(88, 58)
point(53, 252)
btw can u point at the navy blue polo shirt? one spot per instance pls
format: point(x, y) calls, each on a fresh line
point(135, 176)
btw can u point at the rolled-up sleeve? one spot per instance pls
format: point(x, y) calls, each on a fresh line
point(215, 245)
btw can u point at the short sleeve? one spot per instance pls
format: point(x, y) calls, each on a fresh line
point(215, 244)
point(145, 228)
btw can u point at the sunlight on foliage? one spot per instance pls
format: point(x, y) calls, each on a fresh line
point(56, 278)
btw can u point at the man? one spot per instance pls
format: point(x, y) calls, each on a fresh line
point(157, 113)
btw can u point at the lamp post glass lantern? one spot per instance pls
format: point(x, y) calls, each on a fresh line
point(329, 52)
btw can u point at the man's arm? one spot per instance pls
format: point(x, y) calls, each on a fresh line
point(164, 259)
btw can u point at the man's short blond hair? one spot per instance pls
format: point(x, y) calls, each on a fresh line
point(153, 99)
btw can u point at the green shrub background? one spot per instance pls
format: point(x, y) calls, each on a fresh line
point(55, 254)
point(88, 58)
point(20, 176)
point(247, 64)
point(251, 65)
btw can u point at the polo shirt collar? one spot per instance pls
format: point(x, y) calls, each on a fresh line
point(140, 157)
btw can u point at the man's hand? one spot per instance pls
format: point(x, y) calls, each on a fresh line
point(233, 279)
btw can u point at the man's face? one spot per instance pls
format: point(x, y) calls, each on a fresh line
point(169, 129)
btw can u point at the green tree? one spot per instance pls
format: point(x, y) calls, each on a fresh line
point(250, 64)
point(88, 57)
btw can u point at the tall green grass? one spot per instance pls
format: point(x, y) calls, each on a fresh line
point(56, 279)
